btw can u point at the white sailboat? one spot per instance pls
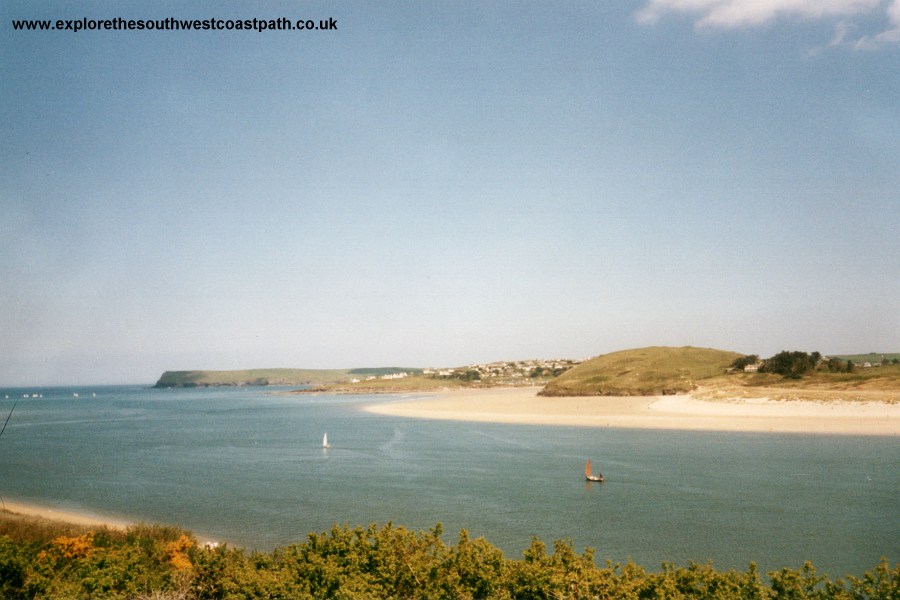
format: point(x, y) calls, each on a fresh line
point(325, 443)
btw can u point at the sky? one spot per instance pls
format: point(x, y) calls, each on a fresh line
point(445, 183)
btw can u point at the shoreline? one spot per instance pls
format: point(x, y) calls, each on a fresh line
point(87, 519)
point(73, 517)
point(684, 412)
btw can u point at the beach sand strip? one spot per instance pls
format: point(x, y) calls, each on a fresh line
point(67, 516)
point(679, 412)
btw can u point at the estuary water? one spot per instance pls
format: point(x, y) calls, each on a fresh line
point(245, 466)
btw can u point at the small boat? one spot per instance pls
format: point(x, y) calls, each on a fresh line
point(325, 443)
point(590, 476)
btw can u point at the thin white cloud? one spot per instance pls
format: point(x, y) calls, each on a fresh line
point(730, 14)
point(891, 35)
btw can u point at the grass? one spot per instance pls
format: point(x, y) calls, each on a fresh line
point(875, 384)
point(252, 377)
point(319, 377)
point(648, 371)
point(642, 372)
point(25, 528)
point(704, 372)
point(414, 383)
point(871, 357)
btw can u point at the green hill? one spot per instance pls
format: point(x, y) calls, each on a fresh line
point(641, 372)
point(171, 379)
point(319, 377)
point(871, 357)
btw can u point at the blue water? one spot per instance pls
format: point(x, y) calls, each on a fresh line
point(245, 466)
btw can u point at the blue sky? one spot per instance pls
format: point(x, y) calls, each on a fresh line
point(437, 184)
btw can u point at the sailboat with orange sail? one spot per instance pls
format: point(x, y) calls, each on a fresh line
point(589, 475)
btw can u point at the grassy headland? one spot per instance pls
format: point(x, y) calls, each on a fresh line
point(708, 374)
point(875, 384)
point(533, 372)
point(268, 377)
point(650, 371)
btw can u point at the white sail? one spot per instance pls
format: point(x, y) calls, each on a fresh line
point(325, 443)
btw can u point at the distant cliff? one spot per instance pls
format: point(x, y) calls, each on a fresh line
point(319, 377)
point(184, 379)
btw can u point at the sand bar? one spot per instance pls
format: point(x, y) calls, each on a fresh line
point(682, 412)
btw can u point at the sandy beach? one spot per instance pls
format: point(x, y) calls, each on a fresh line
point(68, 516)
point(85, 519)
point(683, 412)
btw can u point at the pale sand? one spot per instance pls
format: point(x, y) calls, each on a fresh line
point(84, 519)
point(524, 406)
point(67, 516)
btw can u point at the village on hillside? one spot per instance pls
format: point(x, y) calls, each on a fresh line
point(498, 373)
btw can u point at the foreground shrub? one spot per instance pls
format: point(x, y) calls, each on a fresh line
point(164, 563)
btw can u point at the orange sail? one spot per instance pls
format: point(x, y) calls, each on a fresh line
point(590, 476)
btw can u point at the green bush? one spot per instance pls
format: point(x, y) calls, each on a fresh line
point(164, 563)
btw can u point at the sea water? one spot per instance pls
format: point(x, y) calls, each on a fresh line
point(246, 466)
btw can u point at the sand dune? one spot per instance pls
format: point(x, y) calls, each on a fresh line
point(523, 406)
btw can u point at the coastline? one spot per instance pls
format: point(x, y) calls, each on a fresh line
point(680, 412)
point(84, 519)
point(89, 520)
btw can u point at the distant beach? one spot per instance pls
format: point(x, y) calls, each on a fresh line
point(682, 412)
point(74, 517)
point(67, 516)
